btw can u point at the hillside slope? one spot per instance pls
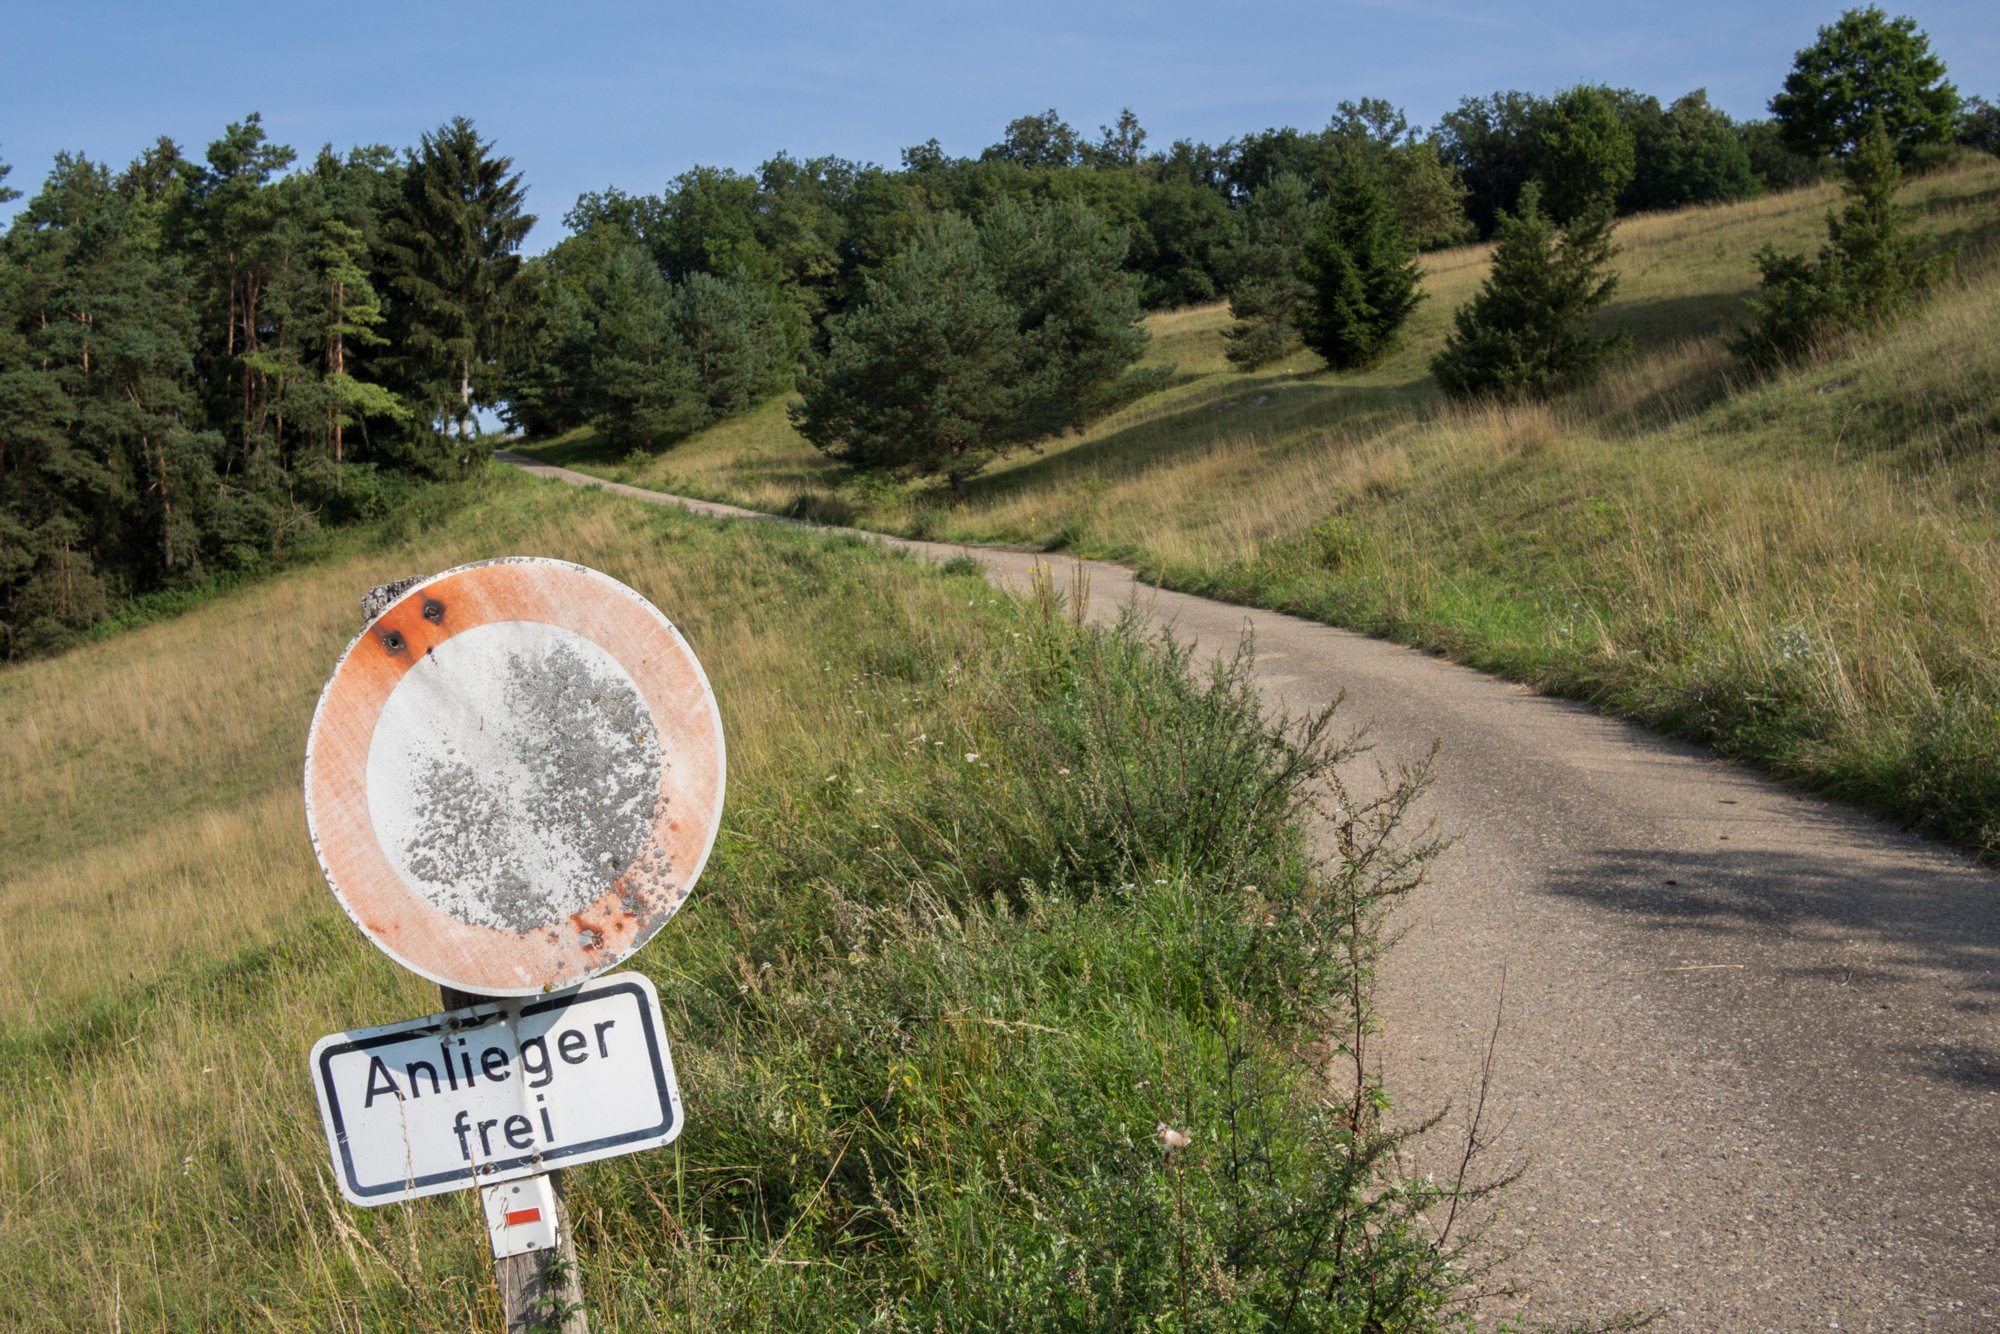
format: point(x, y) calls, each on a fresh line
point(974, 926)
point(1801, 571)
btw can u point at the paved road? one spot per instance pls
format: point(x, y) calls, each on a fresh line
point(1750, 1046)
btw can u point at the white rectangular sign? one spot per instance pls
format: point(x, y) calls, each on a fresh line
point(501, 1090)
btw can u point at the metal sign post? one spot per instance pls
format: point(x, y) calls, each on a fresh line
point(513, 780)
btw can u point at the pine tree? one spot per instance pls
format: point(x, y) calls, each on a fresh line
point(922, 378)
point(454, 272)
point(50, 584)
point(1059, 265)
point(1361, 273)
point(1267, 291)
point(1523, 335)
point(232, 223)
point(350, 317)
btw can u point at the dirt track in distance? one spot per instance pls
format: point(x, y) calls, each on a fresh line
point(1749, 1055)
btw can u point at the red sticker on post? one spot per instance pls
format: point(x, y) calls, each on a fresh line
point(515, 775)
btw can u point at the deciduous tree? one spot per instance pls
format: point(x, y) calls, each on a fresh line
point(1491, 143)
point(1584, 156)
point(1866, 66)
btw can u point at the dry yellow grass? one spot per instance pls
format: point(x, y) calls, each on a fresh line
point(172, 951)
point(153, 818)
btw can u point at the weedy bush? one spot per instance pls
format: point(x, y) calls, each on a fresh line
point(1077, 1042)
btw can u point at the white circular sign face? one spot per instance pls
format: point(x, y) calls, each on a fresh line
point(513, 779)
point(515, 775)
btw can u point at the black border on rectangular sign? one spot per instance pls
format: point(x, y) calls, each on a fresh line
point(500, 1169)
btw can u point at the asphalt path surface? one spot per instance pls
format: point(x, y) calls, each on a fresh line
point(1748, 1043)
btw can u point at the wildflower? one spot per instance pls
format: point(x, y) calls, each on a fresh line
point(972, 757)
point(1062, 773)
point(1171, 1139)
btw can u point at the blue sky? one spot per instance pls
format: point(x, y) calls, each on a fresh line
point(584, 95)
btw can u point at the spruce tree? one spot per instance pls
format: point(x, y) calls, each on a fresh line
point(736, 337)
point(641, 385)
point(451, 251)
point(1361, 273)
point(1266, 290)
point(1871, 268)
point(1524, 335)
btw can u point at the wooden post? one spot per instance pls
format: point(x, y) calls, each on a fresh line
point(535, 1286)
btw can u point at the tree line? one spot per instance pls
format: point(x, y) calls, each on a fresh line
point(206, 361)
point(1866, 99)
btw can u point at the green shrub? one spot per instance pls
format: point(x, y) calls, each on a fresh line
point(1076, 914)
point(1871, 269)
point(962, 564)
point(1524, 334)
point(1952, 785)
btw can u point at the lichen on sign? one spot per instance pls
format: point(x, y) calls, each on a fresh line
point(514, 775)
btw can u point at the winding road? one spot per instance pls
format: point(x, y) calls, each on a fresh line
point(1749, 1052)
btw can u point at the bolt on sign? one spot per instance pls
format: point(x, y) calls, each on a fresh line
point(514, 776)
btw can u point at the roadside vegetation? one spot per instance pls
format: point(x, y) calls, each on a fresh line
point(1010, 996)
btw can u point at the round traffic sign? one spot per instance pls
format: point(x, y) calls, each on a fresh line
point(514, 775)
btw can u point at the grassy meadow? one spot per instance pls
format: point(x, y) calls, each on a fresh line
point(997, 900)
point(1800, 570)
